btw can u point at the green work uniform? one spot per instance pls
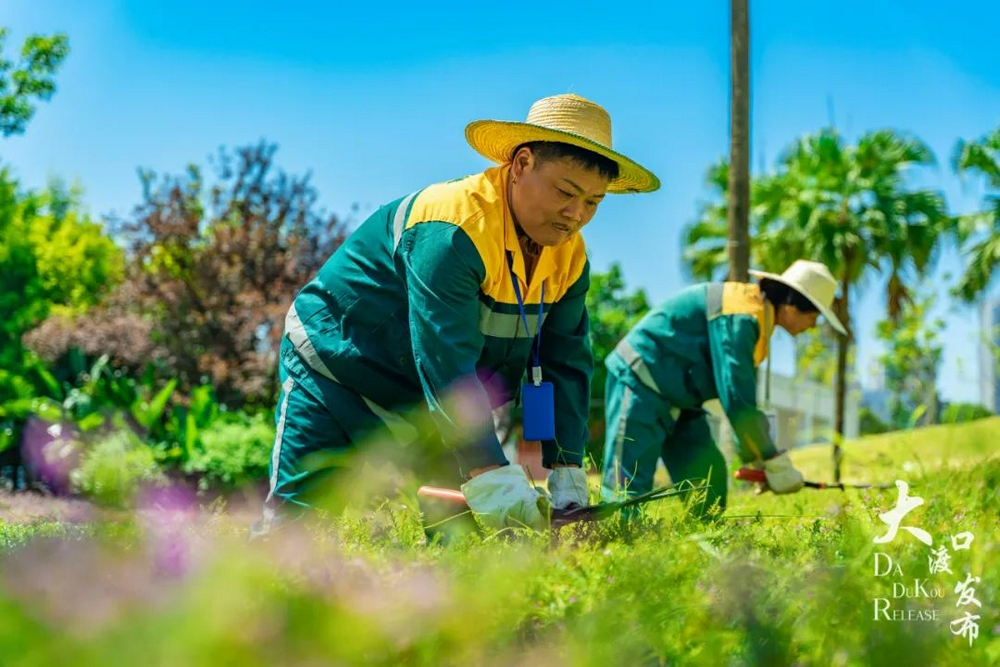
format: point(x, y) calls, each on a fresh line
point(704, 343)
point(416, 305)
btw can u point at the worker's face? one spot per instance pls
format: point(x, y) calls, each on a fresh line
point(554, 199)
point(794, 320)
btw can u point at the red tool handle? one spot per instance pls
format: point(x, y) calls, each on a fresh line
point(751, 475)
point(438, 493)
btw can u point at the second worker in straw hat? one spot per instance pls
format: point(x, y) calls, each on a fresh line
point(706, 342)
point(441, 300)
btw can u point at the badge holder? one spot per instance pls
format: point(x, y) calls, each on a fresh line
point(538, 405)
point(538, 408)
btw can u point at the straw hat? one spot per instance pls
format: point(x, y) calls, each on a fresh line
point(813, 281)
point(568, 119)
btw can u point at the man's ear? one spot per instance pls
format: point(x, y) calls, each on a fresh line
point(523, 161)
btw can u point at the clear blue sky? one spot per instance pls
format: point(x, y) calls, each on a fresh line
point(373, 99)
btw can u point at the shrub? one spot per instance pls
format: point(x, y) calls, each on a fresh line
point(957, 413)
point(232, 453)
point(113, 468)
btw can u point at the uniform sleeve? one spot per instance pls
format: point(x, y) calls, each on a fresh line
point(442, 273)
point(732, 339)
point(567, 362)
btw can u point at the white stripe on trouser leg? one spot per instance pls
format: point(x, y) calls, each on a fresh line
point(279, 433)
point(620, 438)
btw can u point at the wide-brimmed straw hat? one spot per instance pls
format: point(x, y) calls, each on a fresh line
point(813, 281)
point(568, 119)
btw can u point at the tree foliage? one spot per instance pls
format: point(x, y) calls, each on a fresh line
point(981, 230)
point(28, 79)
point(212, 270)
point(53, 259)
point(613, 311)
point(958, 413)
point(911, 361)
point(847, 205)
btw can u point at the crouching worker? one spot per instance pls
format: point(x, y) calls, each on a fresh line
point(468, 283)
point(704, 343)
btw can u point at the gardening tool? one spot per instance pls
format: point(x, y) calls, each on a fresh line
point(751, 475)
point(562, 517)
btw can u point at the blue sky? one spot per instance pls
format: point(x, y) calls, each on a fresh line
point(373, 99)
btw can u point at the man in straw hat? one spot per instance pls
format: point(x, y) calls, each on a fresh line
point(471, 281)
point(706, 342)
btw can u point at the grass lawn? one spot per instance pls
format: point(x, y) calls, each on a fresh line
point(778, 581)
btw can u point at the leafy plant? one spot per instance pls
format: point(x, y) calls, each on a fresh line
point(114, 467)
point(232, 453)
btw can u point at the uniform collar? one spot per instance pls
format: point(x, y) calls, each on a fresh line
point(545, 266)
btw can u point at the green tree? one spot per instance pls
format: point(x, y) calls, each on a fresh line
point(53, 258)
point(911, 361)
point(28, 79)
point(705, 255)
point(870, 423)
point(958, 413)
point(22, 299)
point(613, 311)
point(850, 207)
point(212, 269)
point(816, 356)
point(981, 230)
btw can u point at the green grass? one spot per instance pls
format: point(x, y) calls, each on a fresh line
point(791, 584)
point(925, 449)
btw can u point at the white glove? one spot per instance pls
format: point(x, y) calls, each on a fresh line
point(568, 486)
point(782, 477)
point(503, 497)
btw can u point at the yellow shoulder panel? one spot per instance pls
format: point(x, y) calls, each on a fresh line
point(473, 203)
point(476, 204)
point(746, 299)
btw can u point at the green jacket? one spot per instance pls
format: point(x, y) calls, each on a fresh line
point(420, 296)
point(706, 342)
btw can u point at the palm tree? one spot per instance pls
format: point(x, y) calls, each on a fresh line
point(706, 241)
point(851, 208)
point(981, 158)
point(848, 207)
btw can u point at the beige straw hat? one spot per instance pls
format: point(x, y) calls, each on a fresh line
point(568, 119)
point(813, 281)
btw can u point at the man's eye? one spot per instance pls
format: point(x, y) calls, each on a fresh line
point(564, 193)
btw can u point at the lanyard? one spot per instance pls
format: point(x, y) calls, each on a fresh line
point(536, 369)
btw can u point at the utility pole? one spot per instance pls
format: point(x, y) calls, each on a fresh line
point(738, 210)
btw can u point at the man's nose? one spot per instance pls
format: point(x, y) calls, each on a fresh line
point(574, 211)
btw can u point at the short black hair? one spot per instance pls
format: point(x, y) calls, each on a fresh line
point(545, 151)
point(779, 293)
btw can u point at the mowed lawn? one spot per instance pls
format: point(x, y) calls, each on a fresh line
point(778, 580)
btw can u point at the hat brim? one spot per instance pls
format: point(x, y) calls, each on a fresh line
point(496, 140)
point(825, 311)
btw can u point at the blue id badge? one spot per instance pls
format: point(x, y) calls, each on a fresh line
point(538, 407)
